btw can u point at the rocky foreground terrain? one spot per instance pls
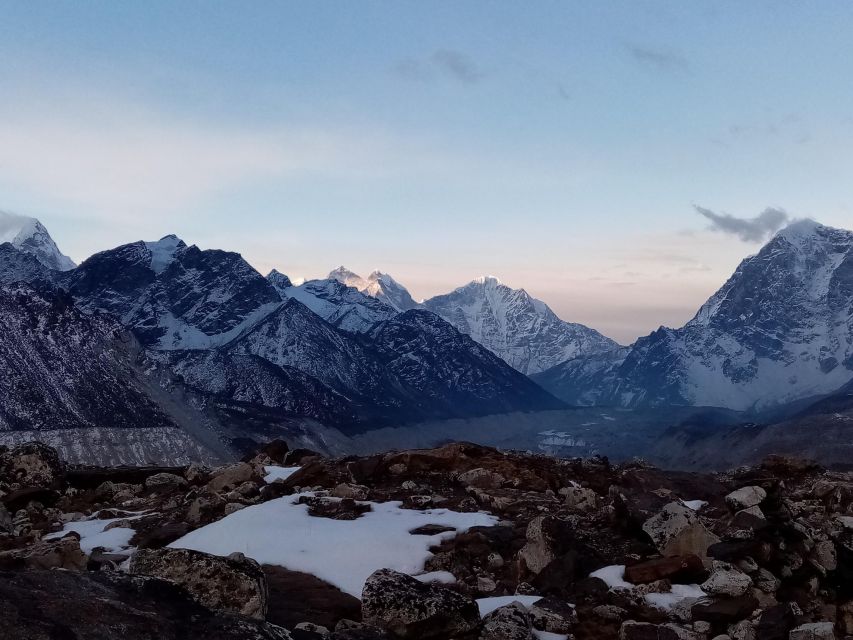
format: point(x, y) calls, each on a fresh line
point(563, 549)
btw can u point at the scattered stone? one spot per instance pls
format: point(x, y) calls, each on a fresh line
point(164, 482)
point(684, 569)
point(553, 615)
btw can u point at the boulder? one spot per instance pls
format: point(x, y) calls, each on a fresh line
point(353, 491)
point(745, 497)
point(580, 498)
point(165, 482)
point(510, 622)
point(235, 584)
point(33, 464)
point(64, 553)
point(724, 610)
point(813, 631)
point(677, 531)
point(481, 478)
point(45, 605)
point(546, 538)
point(677, 569)
point(230, 477)
point(725, 580)
point(5, 519)
point(409, 608)
point(749, 518)
point(633, 630)
point(553, 615)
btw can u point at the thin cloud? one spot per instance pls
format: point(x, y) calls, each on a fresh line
point(448, 63)
point(659, 59)
point(754, 229)
point(457, 65)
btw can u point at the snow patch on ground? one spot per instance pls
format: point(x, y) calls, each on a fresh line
point(278, 473)
point(614, 577)
point(341, 552)
point(93, 534)
point(487, 605)
point(442, 577)
point(694, 504)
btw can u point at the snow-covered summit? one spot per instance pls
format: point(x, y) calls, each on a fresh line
point(30, 236)
point(377, 285)
point(520, 329)
point(163, 251)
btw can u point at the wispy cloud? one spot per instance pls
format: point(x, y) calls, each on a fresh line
point(756, 229)
point(448, 63)
point(658, 58)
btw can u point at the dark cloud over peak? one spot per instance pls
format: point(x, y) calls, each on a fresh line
point(756, 229)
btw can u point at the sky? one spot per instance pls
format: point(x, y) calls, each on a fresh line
point(616, 160)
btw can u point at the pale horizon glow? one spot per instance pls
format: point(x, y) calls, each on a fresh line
point(577, 151)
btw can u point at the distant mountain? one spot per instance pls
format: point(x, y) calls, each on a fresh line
point(340, 305)
point(377, 285)
point(779, 330)
point(520, 329)
point(30, 236)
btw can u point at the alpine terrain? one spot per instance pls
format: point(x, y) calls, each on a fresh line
point(778, 331)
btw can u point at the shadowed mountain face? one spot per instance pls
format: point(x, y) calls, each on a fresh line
point(779, 330)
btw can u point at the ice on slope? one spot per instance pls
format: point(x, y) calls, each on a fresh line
point(341, 552)
point(163, 252)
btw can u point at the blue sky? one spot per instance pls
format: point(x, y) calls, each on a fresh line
point(559, 145)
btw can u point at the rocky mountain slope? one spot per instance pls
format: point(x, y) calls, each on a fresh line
point(460, 542)
point(78, 379)
point(30, 236)
point(520, 329)
point(778, 331)
point(260, 358)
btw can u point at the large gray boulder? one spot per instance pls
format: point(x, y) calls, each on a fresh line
point(510, 622)
point(745, 497)
point(677, 531)
point(725, 580)
point(409, 608)
point(234, 584)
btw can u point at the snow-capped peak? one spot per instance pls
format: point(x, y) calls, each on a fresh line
point(280, 281)
point(800, 230)
point(521, 330)
point(163, 251)
point(349, 278)
point(30, 236)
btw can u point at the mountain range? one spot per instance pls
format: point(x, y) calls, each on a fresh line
point(778, 331)
point(163, 351)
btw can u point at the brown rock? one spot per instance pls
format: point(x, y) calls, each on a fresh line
point(677, 569)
